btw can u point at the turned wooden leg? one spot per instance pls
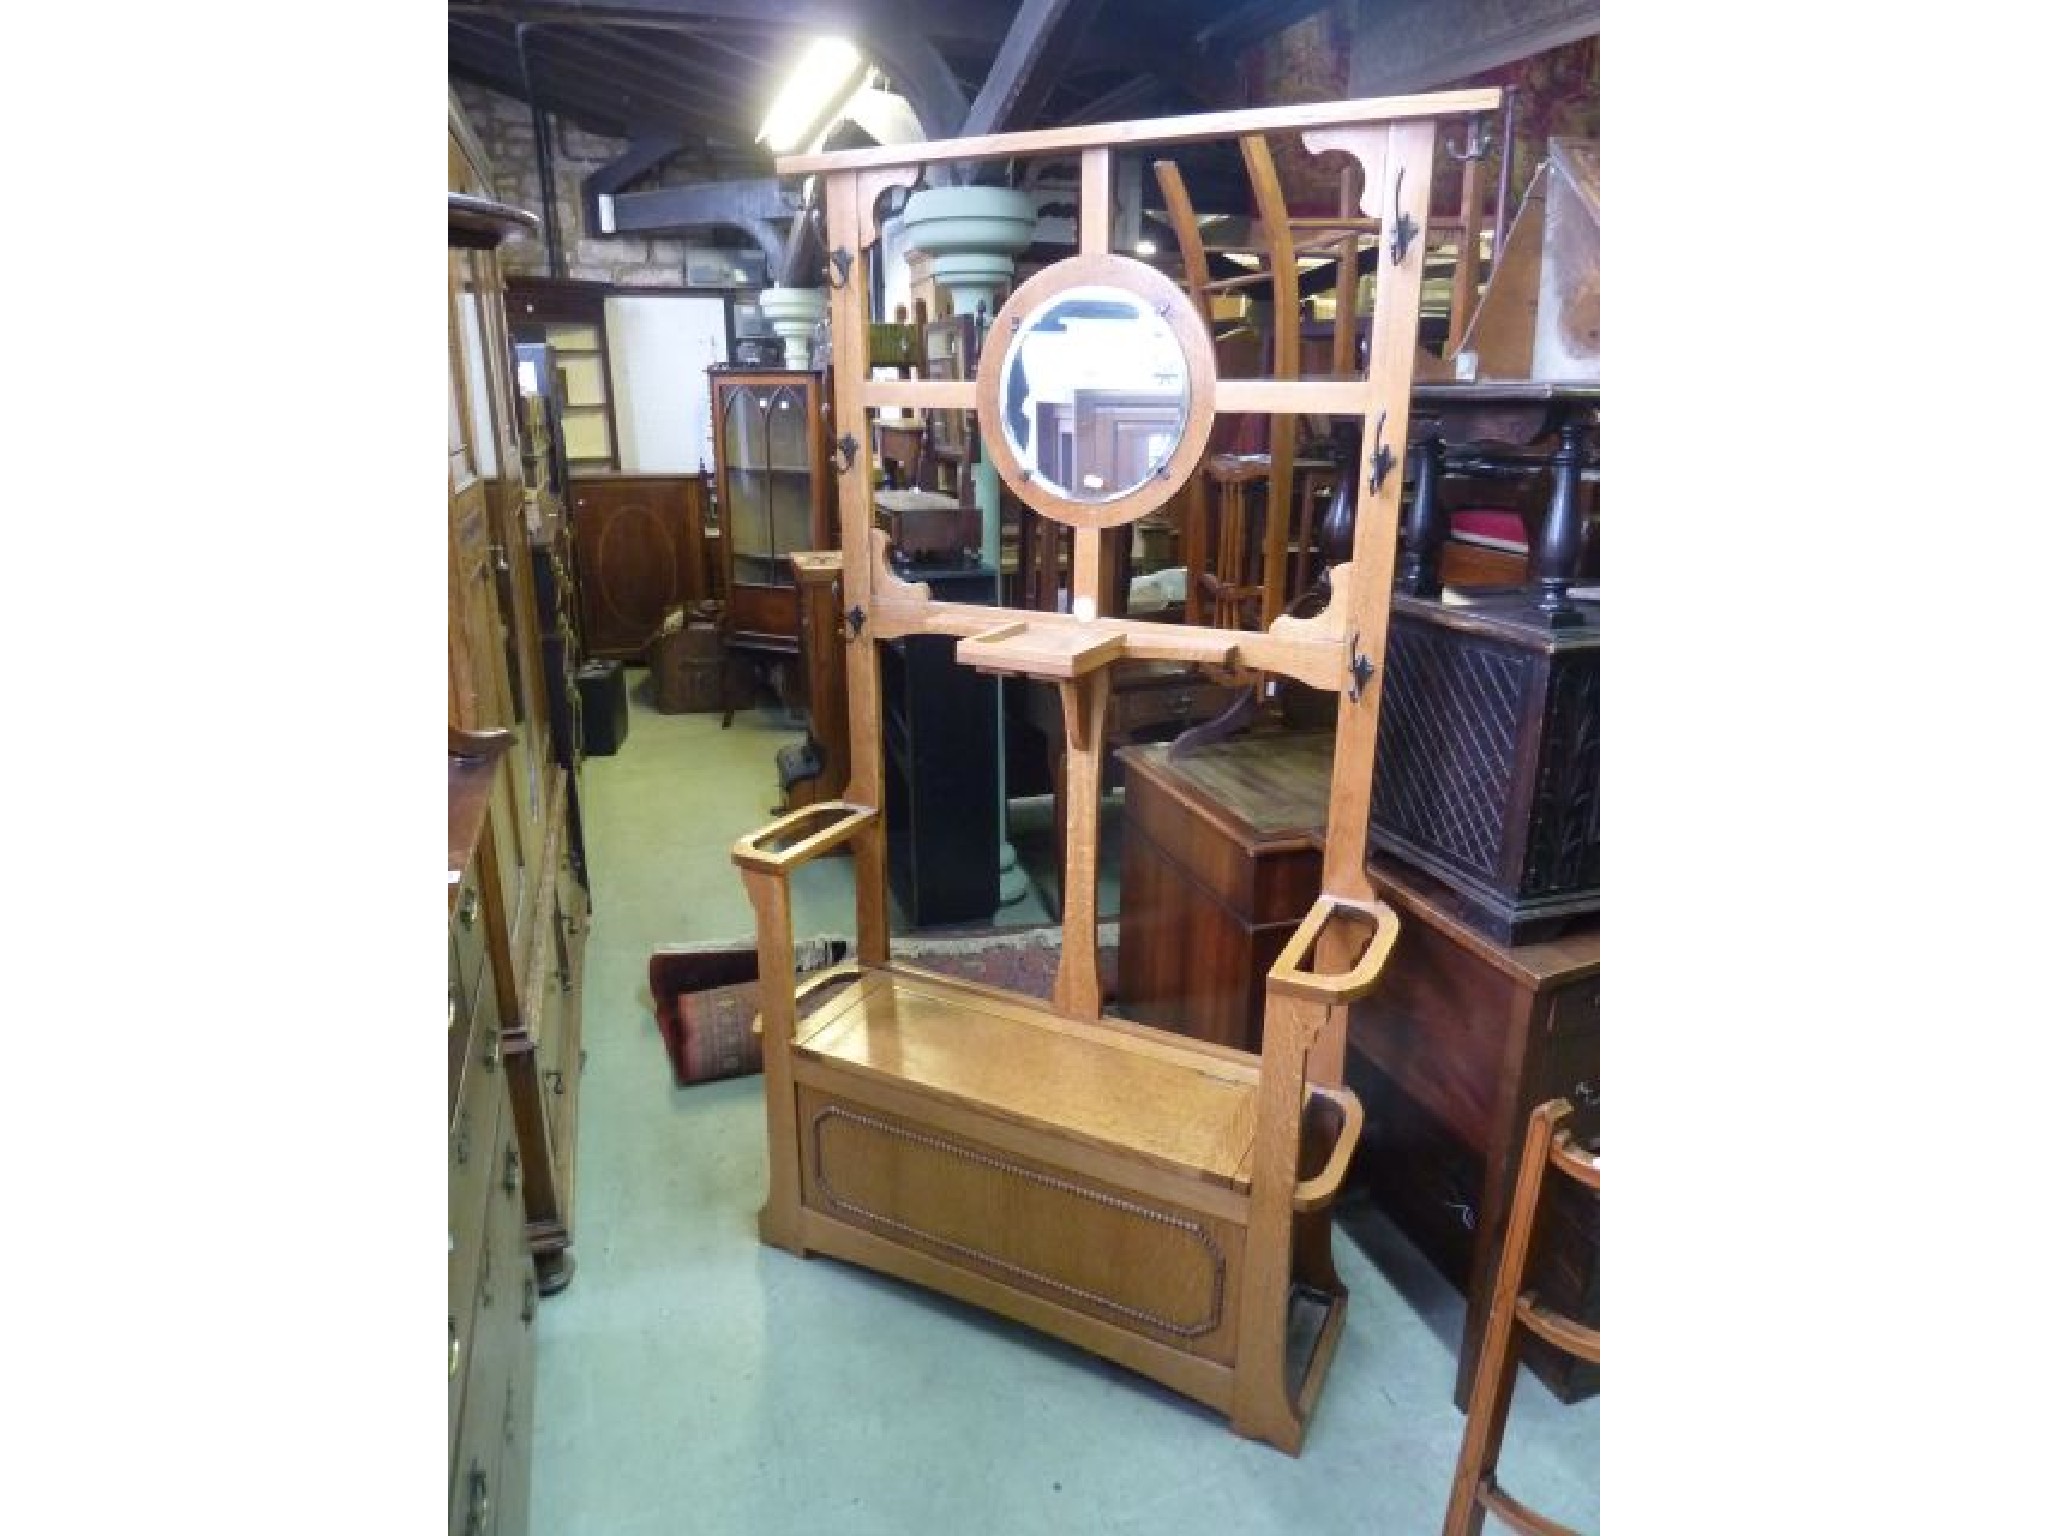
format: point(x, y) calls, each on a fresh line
point(1557, 550)
point(1422, 550)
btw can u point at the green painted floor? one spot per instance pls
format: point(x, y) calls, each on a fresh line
point(691, 1380)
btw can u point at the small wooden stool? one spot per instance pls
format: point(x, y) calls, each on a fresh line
point(1474, 1490)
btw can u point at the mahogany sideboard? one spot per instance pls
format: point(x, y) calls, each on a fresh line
point(1222, 854)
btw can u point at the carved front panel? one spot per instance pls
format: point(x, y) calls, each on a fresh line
point(1138, 1262)
point(1488, 774)
point(1449, 718)
point(1564, 816)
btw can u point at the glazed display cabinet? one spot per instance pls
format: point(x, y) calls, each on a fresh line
point(774, 495)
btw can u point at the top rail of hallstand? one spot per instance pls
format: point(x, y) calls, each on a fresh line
point(1156, 130)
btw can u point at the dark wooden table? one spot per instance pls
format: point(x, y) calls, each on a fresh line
point(1493, 427)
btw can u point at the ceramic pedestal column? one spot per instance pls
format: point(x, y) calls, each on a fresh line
point(794, 314)
point(973, 236)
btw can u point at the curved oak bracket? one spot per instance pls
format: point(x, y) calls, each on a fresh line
point(868, 189)
point(1366, 145)
point(887, 585)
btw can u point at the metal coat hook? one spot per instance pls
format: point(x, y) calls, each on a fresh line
point(1404, 227)
point(842, 263)
point(848, 445)
point(1382, 458)
point(1478, 142)
point(1360, 668)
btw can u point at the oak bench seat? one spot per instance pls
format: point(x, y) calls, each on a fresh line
point(1123, 1088)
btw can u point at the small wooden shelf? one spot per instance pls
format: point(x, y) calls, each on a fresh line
point(1043, 648)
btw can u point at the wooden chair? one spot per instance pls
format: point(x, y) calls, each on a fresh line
point(900, 445)
point(925, 520)
point(1475, 1491)
point(926, 503)
point(1153, 1198)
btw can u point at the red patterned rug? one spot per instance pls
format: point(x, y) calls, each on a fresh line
point(706, 998)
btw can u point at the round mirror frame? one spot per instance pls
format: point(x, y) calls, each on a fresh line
point(1150, 287)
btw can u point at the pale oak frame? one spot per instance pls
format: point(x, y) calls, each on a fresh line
point(890, 1064)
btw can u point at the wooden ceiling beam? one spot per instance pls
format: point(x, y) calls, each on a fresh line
point(918, 73)
point(1120, 103)
point(1414, 45)
point(497, 69)
point(1038, 46)
point(720, 43)
point(631, 62)
point(759, 206)
point(985, 21)
point(597, 88)
point(1253, 20)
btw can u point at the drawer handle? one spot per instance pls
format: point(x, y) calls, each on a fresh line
point(466, 913)
point(453, 1000)
point(529, 1300)
point(510, 1182)
point(454, 1350)
point(496, 1053)
point(462, 1142)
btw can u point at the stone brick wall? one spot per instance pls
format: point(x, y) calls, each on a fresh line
point(504, 126)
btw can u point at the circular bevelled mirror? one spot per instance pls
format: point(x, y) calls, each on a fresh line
point(1096, 391)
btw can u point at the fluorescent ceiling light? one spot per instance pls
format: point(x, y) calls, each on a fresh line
point(813, 94)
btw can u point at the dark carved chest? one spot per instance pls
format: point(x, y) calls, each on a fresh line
point(1488, 773)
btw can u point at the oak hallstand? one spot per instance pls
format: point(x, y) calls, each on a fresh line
point(1158, 1200)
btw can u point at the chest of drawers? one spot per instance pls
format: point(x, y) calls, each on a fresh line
point(493, 1288)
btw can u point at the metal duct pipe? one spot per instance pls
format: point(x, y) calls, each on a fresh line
point(550, 231)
